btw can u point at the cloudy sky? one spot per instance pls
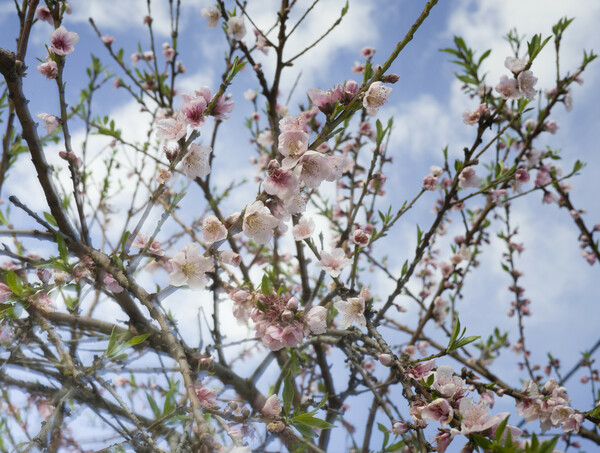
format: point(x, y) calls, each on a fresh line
point(426, 105)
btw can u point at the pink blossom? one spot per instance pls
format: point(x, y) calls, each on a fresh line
point(48, 69)
point(385, 359)
point(316, 320)
point(193, 109)
point(206, 397)
point(468, 178)
point(63, 41)
point(173, 128)
point(261, 42)
point(213, 230)
point(140, 243)
point(189, 266)
point(51, 122)
point(292, 145)
point(400, 427)
point(423, 370)
point(367, 51)
point(313, 168)
point(361, 238)
point(445, 383)
point(222, 107)
point(358, 67)
point(334, 262)
point(212, 15)
point(272, 407)
point(472, 118)
point(508, 88)
point(515, 65)
point(351, 310)
point(551, 126)
point(303, 229)
point(168, 51)
point(43, 302)
point(242, 305)
point(230, 257)
point(108, 40)
point(265, 139)
point(573, 423)
point(195, 163)
point(250, 94)
point(163, 176)
point(438, 410)
point(43, 14)
point(526, 82)
point(291, 335)
point(543, 176)
point(259, 223)
point(324, 100)
point(236, 28)
point(5, 293)
point(376, 96)
point(474, 417)
point(111, 284)
point(279, 182)
point(337, 164)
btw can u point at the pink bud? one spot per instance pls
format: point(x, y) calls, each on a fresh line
point(385, 359)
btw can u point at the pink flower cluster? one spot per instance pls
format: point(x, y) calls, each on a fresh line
point(279, 324)
point(549, 406)
point(452, 404)
point(521, 84)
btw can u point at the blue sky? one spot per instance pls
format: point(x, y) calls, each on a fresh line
point(426, 105)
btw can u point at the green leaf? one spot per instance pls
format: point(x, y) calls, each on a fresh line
point(500, 429)
point(345, 9)
point(62, 248)
point(137, 339)
point(266, 286)
point(306, 431)
point(50, 219)
point(153, 405)
point(312, 421)
point(14, 283)
point(482, 442)
point(464, 341)
point(288, 393)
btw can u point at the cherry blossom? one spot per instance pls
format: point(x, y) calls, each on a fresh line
point(51, 122)
point(111, 284)
point(313, 168)
point(526, 82)
point(272, 407)
point(173, 128)
point(190, 267)
point(376, 96)
point(48, 69)
point(316, 320)
point(468, 178)
point(279, 182)
point(334, 262)
point(63, 41)
point(212, 15)
point(508, 88)
point(438, 410)
point(352, 310)
point(236, 28)
point(195, 163)
point(206, 397)
point(259, 223)
point(43, 14)
point(445, 383)
point(292, 145)
point(213, 230)
point(193, 108)
point(515, 65)
point(303, 229)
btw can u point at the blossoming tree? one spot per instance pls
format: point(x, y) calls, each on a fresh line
point(85, 329)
